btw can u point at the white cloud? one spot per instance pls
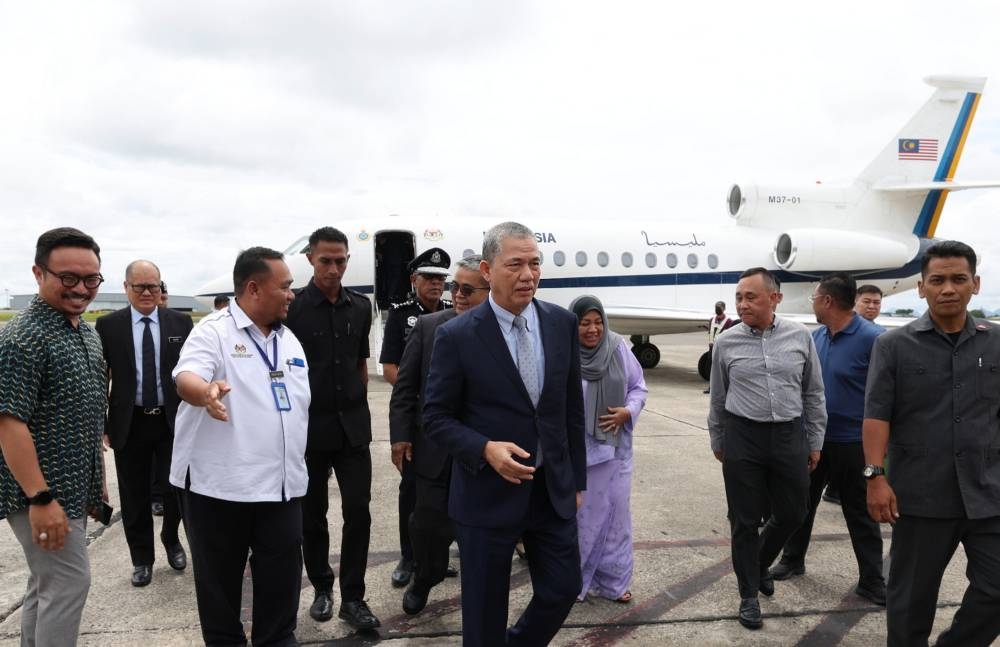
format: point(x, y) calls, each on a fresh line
point(184, 131)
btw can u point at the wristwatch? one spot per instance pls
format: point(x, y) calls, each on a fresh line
point(871, 471)
point(43, 497)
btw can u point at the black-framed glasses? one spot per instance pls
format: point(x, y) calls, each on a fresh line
point(70, 280)
point(153, 288)
point(466, 289)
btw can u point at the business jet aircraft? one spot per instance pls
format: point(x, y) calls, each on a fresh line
point(663, 276)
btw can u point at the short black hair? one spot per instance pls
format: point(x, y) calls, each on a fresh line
point(869, 288)
point(220, 300)
point(328, 235)
point(948, 249)
point(841, 287)
point(252, 263)
point(63, 237)
point(163, 287)
point(770, 280)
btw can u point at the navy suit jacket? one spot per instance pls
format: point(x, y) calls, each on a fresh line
point(474, 394)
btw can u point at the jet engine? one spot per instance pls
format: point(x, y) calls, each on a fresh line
point(831, 250)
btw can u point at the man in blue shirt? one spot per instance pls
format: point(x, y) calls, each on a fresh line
point(844, 343)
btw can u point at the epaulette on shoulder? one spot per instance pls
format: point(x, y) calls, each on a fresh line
point(355, 293)
point(402, 304)
point(447, 302)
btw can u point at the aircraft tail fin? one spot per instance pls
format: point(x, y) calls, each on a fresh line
point(924, 155)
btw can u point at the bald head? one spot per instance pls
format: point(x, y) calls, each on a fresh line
point(142, 285)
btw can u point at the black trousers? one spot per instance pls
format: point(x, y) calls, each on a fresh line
point(431, 530)
point(149, 441)
point(353, 468)
point(221, 534)
point(553, 561)
point(765, 467)
point(921, 550)
point(407, 501)
point(841, 464)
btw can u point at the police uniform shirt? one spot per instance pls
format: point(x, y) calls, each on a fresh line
point(941, 399)
point(259, 453)
point(400, 322)
point(335, 339)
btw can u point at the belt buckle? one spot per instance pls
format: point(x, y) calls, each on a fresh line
point(151, 411)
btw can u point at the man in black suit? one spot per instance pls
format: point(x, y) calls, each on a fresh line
point(430, 529)
point(141, 345)
point(508, 407)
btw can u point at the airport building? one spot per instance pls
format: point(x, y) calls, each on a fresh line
point(116, 301)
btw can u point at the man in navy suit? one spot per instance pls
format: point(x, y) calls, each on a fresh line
point(504, 397)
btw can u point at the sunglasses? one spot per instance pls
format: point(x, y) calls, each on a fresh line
point(466, 289)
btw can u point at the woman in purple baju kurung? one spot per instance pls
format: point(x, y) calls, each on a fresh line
point(614, 392)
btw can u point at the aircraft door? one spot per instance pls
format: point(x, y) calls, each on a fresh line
point(393, 252)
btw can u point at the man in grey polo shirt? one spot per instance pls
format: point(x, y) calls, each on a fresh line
point(766, 421)
point(933, 397)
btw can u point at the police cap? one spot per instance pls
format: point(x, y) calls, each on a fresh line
point(433, 261)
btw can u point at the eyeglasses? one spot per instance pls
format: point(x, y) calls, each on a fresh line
point(814, 297)
point(466, 289)
point(69, 280)
point(139, 288)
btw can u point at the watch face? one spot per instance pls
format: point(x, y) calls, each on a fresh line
point(868, 471)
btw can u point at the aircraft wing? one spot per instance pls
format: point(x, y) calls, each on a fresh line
point(810, 320)
point(654, 320)
point(941, 185)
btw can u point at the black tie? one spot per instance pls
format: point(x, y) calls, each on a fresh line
point(149, 398)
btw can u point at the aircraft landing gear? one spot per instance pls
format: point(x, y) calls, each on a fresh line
point(705, 365)
point(647, 353)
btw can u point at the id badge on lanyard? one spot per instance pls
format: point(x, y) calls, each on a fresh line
point(278, 390)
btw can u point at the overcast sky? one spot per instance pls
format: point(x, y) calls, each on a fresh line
point(185, 131)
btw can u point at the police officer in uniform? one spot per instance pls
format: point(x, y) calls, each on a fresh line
point(427, 275)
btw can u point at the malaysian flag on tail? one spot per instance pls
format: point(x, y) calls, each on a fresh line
point(918, 149)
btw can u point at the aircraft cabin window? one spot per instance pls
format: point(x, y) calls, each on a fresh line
point(650, 259)
point(626, 259)
point(581, 259)
point(602, 259)
point(713, 261)
point(559, 258)
point(692, 261)
point(671, 260)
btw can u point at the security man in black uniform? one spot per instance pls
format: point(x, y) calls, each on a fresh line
point(427, 274)
point(332, 322)
point(933, 395)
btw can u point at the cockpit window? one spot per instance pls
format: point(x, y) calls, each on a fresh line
point(301, 246)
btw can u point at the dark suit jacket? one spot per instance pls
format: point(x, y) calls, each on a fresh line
point(405, 423)
point(474, 394)
point(115, 330)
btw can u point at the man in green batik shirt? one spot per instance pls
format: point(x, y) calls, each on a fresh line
point(53, 395)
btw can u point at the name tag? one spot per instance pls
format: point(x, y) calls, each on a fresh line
point(280, 394)
point(174, 340)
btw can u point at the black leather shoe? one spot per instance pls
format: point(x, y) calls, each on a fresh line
point(766, 585)
point(322, 606)
point(451, 571)
point(357, 614)
point(831, 495)
point(873, 592)
point(784, 570)
point(157, 509)
point(142, 575)
point(176, 557)
point(403, 573)
point(750, 613)
point(415, 599)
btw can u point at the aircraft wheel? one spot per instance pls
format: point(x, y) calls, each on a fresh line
point(647, 354)
point(705, 365)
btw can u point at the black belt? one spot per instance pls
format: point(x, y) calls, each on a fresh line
point(767, 423)
point(150, 411)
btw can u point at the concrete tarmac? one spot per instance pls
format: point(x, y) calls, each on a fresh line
point(684, 589)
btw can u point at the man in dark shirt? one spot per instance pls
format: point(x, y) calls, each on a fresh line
point(844, 344)
point(53, 394)
point(932, 399)
point(427, 274)
point(333, 323)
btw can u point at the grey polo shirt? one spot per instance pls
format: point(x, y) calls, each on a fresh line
point(941, 401)
point(769, 376)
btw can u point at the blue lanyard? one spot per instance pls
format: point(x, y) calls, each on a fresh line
point(273, 367)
